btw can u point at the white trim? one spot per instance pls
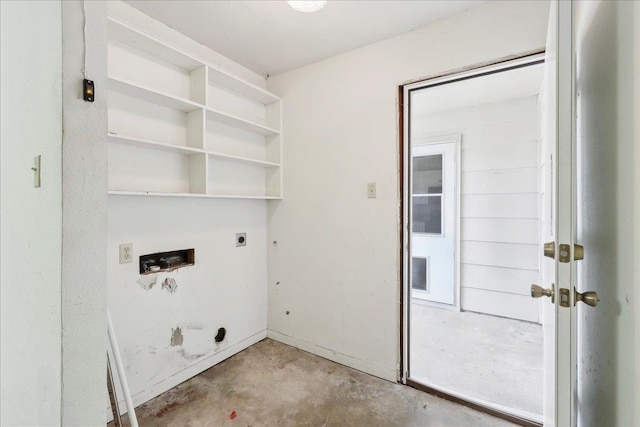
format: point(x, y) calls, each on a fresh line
point(388, 373)
point(452, 76)
point(495, 406)
point(455, 76)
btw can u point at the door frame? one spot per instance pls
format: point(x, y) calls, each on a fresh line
point(500, 65)
point(456, 140)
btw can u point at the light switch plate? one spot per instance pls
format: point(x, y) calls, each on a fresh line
point(371, 190)
point(126, 253)
point(36, 171)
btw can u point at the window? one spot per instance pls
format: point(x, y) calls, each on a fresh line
point(427, 194)
point(419, 274)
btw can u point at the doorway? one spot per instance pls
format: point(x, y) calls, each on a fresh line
point(472, 211)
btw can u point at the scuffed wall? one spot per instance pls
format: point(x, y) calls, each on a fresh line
point(167, 332)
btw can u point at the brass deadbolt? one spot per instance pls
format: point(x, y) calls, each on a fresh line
point(550, 250)
point(539, 291)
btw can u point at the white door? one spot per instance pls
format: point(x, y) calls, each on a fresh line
point(433, 222)
point(557, 222)
point(557, 217)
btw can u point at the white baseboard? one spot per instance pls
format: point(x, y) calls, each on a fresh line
point(386, 373)
point(189, 372)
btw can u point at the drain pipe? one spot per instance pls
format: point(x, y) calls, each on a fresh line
point(121, 374)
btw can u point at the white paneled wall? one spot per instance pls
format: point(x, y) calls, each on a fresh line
point(499, 203)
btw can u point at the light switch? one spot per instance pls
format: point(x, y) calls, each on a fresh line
point(371, 190)
point(36, 171)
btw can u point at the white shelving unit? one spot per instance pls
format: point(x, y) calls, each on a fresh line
point(181, 127)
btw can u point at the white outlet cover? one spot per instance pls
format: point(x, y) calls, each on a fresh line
point(126, 253)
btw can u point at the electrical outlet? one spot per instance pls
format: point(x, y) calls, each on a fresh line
point(126, 253)
point(241, 239)
point(371, 190)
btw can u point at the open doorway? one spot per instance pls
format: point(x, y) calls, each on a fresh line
point(472, 211)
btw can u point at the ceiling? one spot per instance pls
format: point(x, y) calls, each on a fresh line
point(270, 38)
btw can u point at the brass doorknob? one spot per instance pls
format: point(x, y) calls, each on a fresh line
point(539, 291)
point(589, 298)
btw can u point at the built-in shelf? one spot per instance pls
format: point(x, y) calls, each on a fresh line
point(244, 160)
point(196, 195)
point(181, 149)
point(181, 104)
point(131, 89)
point(146, 69)
point(241, 86)
point(129, 36)
point(227, 119)
point(154, 145)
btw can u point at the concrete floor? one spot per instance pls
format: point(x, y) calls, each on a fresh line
point(485, 357)
point(274, 384)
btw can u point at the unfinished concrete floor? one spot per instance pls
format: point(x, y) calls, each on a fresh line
point(273, 384)
point(486, 357)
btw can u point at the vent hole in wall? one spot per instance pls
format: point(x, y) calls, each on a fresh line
point(221, 334)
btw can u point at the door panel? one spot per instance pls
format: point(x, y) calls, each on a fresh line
point(433, 222)
point(556, 214)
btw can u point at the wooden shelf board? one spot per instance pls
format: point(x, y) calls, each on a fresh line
point(153, 96)
point(231, 196)
point(181, 149)
point(241, 86)
point(227, 119)
point(243, 160)
point(125, 34)
point(146, 143)
point(196, 195)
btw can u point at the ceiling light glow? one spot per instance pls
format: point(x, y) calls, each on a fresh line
point(307, 6)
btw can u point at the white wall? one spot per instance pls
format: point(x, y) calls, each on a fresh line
point(225, 288)
point(84, 184)
point(335, 266)
point(30, 328)
point(498, 201)
point(608, 70)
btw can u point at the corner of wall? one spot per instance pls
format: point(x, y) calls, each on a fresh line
point(84, 215)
